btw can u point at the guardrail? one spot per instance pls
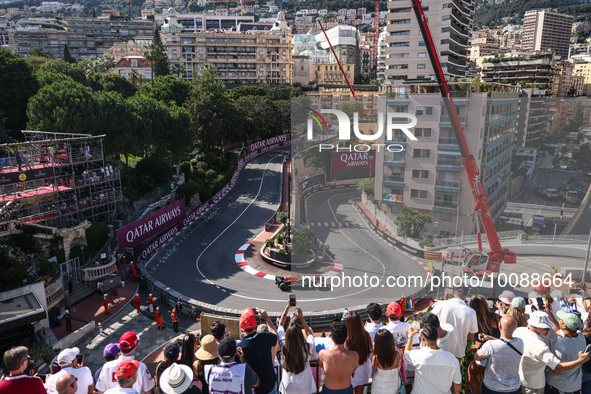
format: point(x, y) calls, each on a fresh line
point(579, 213)
point(96, 273)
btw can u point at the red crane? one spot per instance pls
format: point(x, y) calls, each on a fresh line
point(376, 34)
point(497, 254)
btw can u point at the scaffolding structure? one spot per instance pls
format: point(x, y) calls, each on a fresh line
point(57, 179)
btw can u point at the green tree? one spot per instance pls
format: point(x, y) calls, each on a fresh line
point(153, 55)
point(303, 241)
point(211, 112)
point(262, 118)
point(133, 76)
point(411, 222)
point(129, 3)
point(367, 186)
point(104, 63)
point(153, 170)
point(111, 82)
point(74, 71)
point(47, 78)
point(162, 66)
point(122, 125)
point(67, 57)
point(178, 69)
point(168, 89)
point(64, 106)
point(283, 218)
point(38, 51)
point(360, 79)
point(13, 271)
point(350, 107)
point(577, 120)
point(17, 85)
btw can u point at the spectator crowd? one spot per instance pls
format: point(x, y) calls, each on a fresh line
point(538, 345)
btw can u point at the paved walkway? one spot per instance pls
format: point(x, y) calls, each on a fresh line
point(126, 319)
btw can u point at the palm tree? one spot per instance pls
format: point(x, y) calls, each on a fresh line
point(178, 69)
point(105, 63)
point(133, 75)
point(152, 55)
point(129, 8)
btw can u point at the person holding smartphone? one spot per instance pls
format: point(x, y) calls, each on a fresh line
point(71, 361)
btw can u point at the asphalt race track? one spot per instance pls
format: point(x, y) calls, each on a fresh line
point(202, 264)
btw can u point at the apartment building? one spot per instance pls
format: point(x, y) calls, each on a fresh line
point(251, 58)
point(345, 40)
point(6, 31)
point(512, 37)
point(545, 30)
point(522, 68)
point(428, 175)
point(584, 70)
point(86, 38)
point(534, 117)
point(328, 96)
point(484, 46)
point(129, 48)
point(565, 82)
point(581, 27)
point(450, 24)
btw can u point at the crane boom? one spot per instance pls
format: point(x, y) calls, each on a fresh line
point(497, 253)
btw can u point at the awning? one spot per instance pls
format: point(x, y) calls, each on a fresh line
point(20, 310)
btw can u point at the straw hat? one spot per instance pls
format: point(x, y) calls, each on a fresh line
point(208, 349)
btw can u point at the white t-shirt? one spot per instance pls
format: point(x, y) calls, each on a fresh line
point(502, 367)
point(536, 356)
point(448, 342)
point(107, 379)
point(459, 315)
point(372, 328)
point(83, 375)
point(435, 370)
point(120, 390)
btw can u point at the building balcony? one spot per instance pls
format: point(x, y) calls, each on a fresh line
point(448, 141)
point(444, 183)
point(446, 204)
point(397, 163)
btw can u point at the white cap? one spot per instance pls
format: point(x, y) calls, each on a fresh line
point(150, 295)
point(157, 308)
point(539, 319)
point(506, 296)
point(67, 311)
point(67, 356)
point(105, 295)
point(137, 294)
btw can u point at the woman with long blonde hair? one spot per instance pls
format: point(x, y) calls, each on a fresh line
point(359, 340)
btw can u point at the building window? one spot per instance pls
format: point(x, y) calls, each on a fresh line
point(445, 29)
point(421, 65)
point(421, 153)
point(422, 132)
point(446, 216)
point(400, 44)
point(421, 43)
point(420, 194)
point(446, 6)
point(398, 55)
point(445, 18)
point(421, 111)
point(422, 54)
point(420, 174)
point(444, 42)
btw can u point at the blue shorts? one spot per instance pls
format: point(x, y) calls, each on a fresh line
point(348, 390)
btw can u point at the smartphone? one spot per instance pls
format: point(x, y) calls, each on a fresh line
point(292, 300)
point(79, 359)
point(588, 348)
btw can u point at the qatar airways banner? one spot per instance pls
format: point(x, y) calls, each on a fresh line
point(269, 144)
point(151, 225)
point(351, 165)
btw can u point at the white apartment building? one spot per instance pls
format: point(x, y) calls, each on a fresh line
point(450, 24)
point(428, 175)
point(545, 30)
